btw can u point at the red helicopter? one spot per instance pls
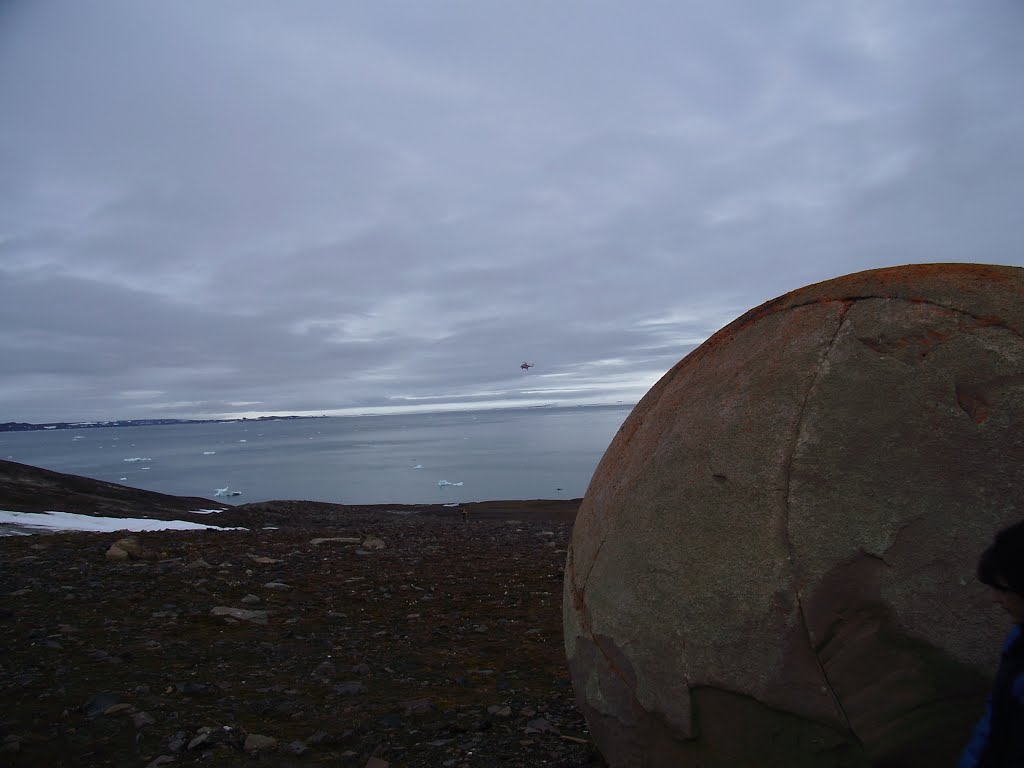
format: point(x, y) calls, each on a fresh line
point(526, 366)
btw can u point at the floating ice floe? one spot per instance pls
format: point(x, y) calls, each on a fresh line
point(134, 459)
point(29, 522)
point(443, 483)
point(450, 505)
point(208, 453)
point(243, 441)
point(418, 466)
point(225, 491)
point(123, 479)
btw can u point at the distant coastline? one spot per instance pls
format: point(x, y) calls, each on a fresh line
point(20, 426)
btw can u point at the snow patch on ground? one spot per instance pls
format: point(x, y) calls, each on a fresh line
point(38, 522)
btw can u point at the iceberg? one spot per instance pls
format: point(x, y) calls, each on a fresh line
point(225, 491)
point(443, 483)
point(134, 459)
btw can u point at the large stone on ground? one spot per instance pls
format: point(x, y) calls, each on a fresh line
point(774, 564)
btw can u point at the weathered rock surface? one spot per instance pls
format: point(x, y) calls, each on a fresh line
point(774, 562)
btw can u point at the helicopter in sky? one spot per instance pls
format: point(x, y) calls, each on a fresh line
point(526, 366)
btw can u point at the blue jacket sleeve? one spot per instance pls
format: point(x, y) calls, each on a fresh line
point(971, 756)
point(1015, 748)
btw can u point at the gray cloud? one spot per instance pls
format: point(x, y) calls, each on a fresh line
point(253, 207)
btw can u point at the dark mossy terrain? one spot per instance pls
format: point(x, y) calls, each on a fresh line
point(438, 645)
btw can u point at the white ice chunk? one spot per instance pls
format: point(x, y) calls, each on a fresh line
point(134, 459)
point(67, 521)
point(208, 453)
point(206, 511)
point(443, 483)
point(418, 466)
point(225, 491)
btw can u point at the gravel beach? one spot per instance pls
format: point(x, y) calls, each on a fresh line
point(321, 634)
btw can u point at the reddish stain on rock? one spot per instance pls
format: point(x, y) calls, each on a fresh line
point(774, 562)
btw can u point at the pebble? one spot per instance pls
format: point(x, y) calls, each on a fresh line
point(334, 539)
point(257, 617)
point(140, 719)
point(349, 689)
point(100, 703)
point(116, 554)
point(263, 560)
point(176, 743)
point(417, 706)
point(325, 671)
point(254, 742)
point(198, 741)
point(540, 725)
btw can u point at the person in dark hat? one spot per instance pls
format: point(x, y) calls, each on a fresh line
point(998, 739)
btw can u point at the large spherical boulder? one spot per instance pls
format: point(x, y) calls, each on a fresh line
point(774, 563)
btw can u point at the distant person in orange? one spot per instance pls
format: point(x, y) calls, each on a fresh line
point(998, 739)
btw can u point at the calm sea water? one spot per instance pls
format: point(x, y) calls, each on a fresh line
point(512, 454)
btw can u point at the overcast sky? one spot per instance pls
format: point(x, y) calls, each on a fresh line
point(237, 208)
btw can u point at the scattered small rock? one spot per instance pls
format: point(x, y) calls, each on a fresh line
point(263, 560)
point(255, 742)
point(334, 539)
point(116, 554)
point(325, 671)
point(139, 719)
point(242, 614)
point(350, 688)
point(99, 703)
point(417, 706)
point(540, 725)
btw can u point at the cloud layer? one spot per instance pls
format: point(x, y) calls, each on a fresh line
point(238, 208)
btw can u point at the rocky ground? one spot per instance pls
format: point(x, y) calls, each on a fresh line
point(400, 636)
